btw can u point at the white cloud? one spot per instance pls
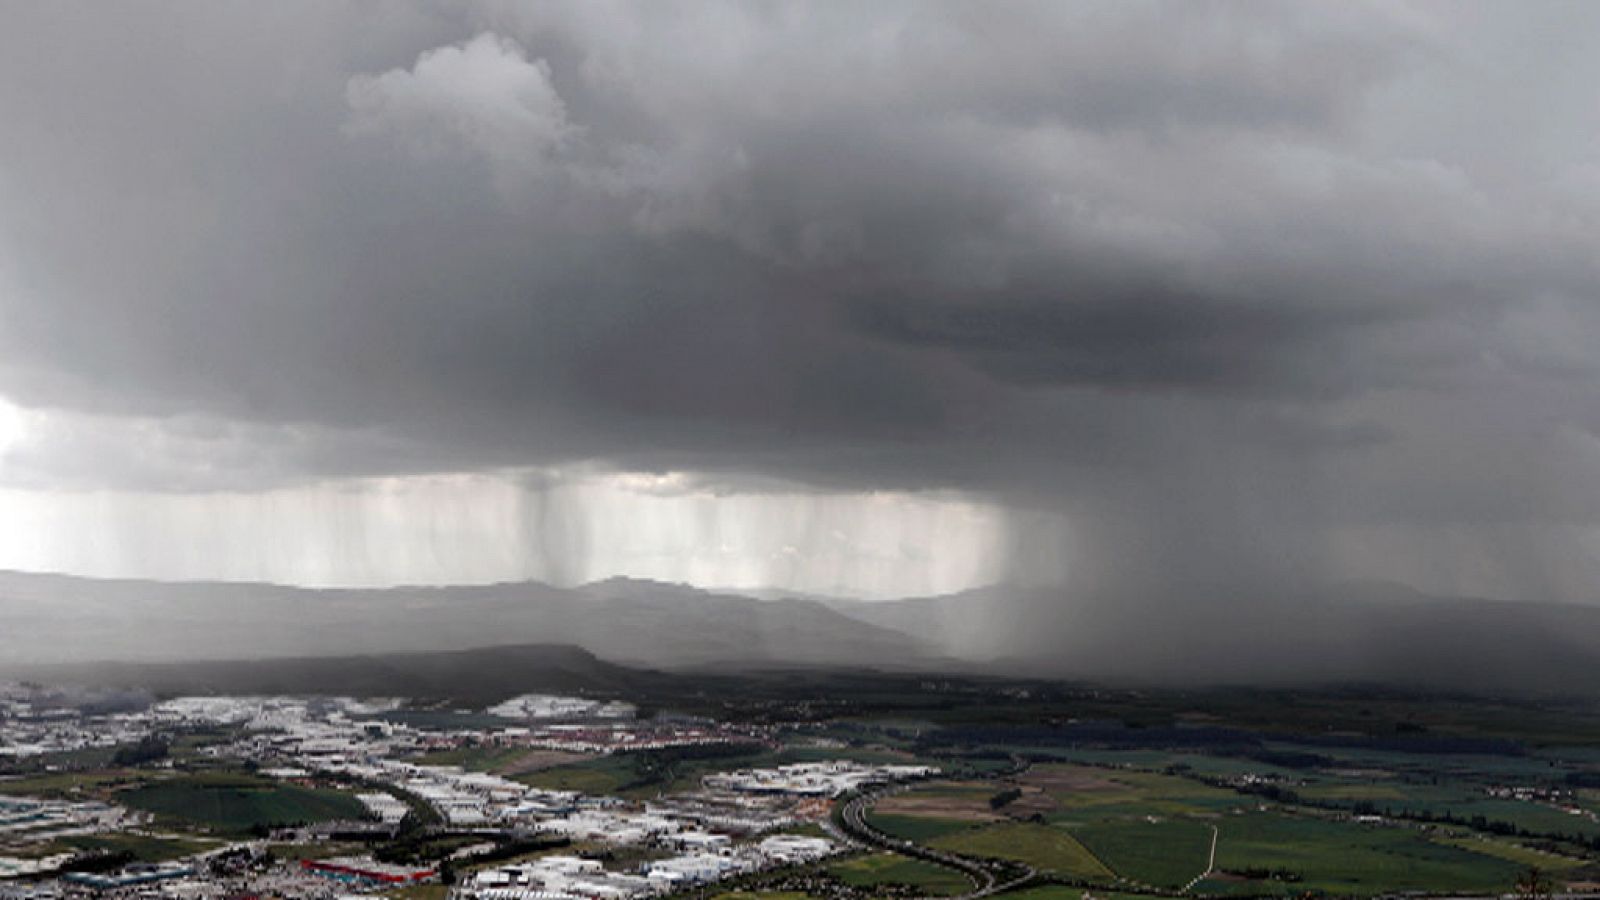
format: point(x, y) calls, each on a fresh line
point(482, 97)
point(13, 427)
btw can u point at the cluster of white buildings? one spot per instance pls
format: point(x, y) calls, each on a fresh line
point(41, 819)
point(733, 813)
point(24, 866)
point(465, 799)
point(552, 877)
point(28, 824)
point(1562, 799)
point(610, 736)
point(301, 737)
point(298, 736)
point(815, 779)
point(386, 808)
point(692, 823)
point(267, 711)
point(555, 706)
point(37, 738)
point(34, 722)
point(725, 829)
point(575, 878)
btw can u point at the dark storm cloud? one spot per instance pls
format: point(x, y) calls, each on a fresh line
point(1143, 341)
point(1174, 267)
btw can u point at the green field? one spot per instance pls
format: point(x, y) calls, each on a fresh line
point(317, 850)
point(1516, 853)
point(473, 759)
point(1146, 816)
point(1129, 793)
point(625, 774)
point(1040, 846)
point(1165, 853)
point(595, 776)
point(1102, 823)
point(1066, 892)
point(889, 868)
point(1462, 798)
point(238, 803)
point(141, 847)
point(65, 784)
point(1379, 794)
point(917, 828)
point(1348, 858)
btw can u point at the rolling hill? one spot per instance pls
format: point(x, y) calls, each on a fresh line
point(56, 619)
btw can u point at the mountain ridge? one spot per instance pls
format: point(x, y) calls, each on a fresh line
point(1370, 632)
point(64, 618)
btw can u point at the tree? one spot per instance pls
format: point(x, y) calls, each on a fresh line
point(1533, 884)
point(149, 749)
point(1005, 798)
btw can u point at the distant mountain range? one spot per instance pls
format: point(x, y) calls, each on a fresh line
point(53, 618)
point(1374, 633)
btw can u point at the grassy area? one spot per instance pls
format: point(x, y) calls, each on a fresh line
point(686, 774)
point(474, 759)
point(1145, 821)
point(917, 828)
point(238, 803)
point(1081, 794)
point(65, 760)
point(1516, 853)
point(1165, 853)
point(596, 776)
point(143, 848)
point(1378, 794)
point(317, 850)
point(1348, 858)
point(1460, 796)
point(1041, 846)
point(1132, 812)
point(796, 754)
point(968, 803)
point(888, 868)
point(1122, 792)
point(1064, 892)
point(66, 784)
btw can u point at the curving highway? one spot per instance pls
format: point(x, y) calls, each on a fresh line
point(985, 876)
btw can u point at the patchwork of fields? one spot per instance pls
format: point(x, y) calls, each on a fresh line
point(1153, 830)
point(1328, 814)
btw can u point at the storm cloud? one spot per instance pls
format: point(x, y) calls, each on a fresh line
point(1269, 293)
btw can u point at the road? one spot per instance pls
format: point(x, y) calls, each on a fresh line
point(985, 881)
point(1211, 863)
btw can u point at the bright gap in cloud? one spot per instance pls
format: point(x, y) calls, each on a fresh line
point(13, 426)
point(479, 528)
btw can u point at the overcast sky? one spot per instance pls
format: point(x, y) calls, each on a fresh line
point(866, 298)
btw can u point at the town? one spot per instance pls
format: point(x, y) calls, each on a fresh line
point(507, 839)
point(874, 786)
